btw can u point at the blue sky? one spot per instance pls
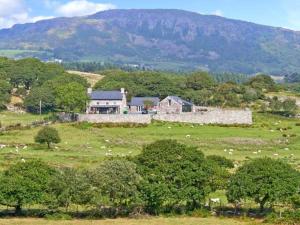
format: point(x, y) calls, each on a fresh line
point(282, 13)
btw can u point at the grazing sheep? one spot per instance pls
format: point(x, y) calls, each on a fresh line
point(215, 200)
point(188, 136)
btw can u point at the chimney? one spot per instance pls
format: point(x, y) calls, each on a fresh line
point(123, 90)
point(89, 91)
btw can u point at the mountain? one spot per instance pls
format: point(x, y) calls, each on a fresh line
point(162, 39)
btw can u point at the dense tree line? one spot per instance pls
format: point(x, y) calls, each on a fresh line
point(46, 83)
point(47, 87)
point(199, 87)
point(167, 177)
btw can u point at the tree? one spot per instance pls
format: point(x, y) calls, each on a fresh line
point(265, 181)
point(262, 82)
point(200, 80)
point(47, 135)
point(117, 183)
point(67, 187)
point(175, 175)
point(148, 104)
point(5, 90)
point(38, 95)
point(71, 97)
point(24, 183)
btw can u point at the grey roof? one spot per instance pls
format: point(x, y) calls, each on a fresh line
point(139, 101)
point(180, 100)
point(106, 95)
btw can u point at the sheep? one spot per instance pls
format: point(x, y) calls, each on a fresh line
point(215, 200)
point(188, 136)
point(23, 160)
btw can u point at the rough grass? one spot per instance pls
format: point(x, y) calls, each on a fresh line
point(88, 146)
point(150, 221)
point(92, 78)
point(9, 118)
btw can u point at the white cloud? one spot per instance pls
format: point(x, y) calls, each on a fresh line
point(82, 8)
point(15, 11)
point(218, 12)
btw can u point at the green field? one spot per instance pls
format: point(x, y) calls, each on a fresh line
point(88, 147)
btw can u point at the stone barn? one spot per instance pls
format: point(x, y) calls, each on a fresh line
point(175, 105)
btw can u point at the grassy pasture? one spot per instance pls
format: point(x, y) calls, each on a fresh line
point(87, 147)
point(148, 221)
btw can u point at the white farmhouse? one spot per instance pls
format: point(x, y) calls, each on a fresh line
point(107, 102)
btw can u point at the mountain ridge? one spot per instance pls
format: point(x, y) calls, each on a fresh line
point(161, 39)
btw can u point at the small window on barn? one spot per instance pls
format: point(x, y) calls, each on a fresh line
point(98, 103)
point(170, 102)
point(107, 103)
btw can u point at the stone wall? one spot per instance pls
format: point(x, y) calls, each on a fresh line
point(122, 118)
point(209, 116)
point(203, 116)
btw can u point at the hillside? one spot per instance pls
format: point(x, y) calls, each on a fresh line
point(161, 39)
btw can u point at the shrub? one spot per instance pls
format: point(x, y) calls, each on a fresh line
point(221, 161)
point(58, 216)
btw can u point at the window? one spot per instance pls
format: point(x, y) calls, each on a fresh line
point(107, 103)
point(98, 103)
point(170, 102)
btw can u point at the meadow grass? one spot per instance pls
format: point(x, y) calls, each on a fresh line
point(87, 147)
point(10, 118)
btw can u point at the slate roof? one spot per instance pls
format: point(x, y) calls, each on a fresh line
point(180, 100)
point(106, 95)
point(139, 101)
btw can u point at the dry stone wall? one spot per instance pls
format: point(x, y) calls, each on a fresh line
point(203, 116)
point(122, 118)
point(216, 116)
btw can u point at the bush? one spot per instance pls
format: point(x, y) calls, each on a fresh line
point(201, 213)
point(58, 216)
point(221, 161)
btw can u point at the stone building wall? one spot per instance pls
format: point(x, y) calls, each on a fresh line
point(169, 106)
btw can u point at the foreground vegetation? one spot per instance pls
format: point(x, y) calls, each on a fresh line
point(141, 221)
